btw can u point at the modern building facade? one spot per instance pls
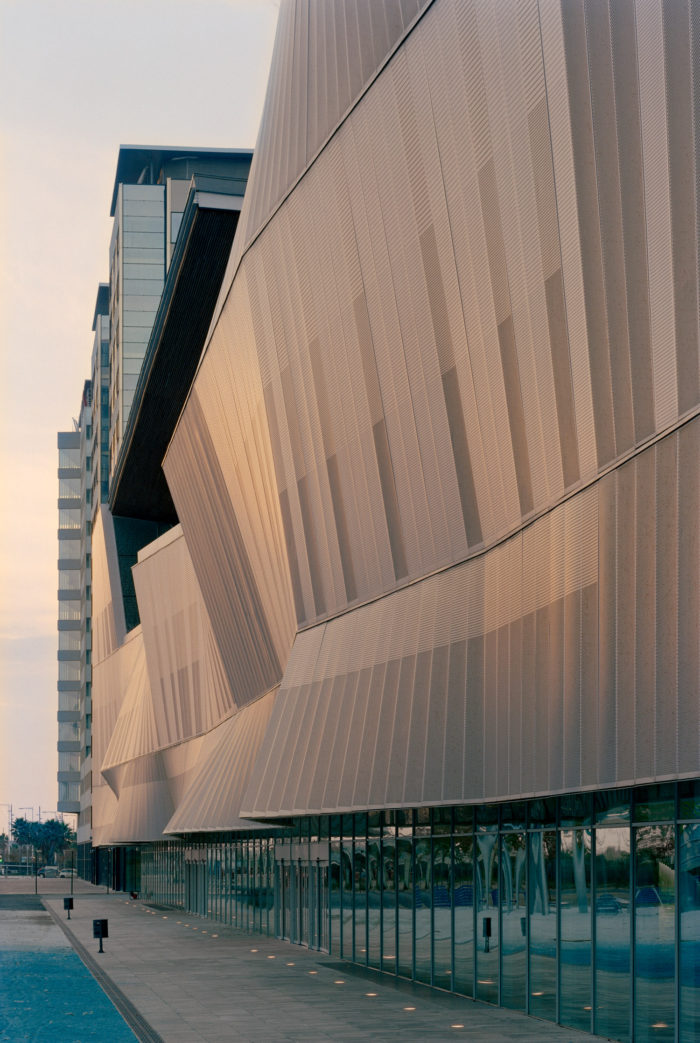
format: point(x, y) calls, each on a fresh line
point(395, 606)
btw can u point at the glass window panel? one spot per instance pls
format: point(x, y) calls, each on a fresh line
point(689, 899)
point(576, 809)
point(514, 815)
point(69, 671)
point(68, 488)
point(389, 894)
point(442, 912)
point(513, 906)
point(69, 610)
point(334, 895)
point(613, 806)
point(543, 812)
point(423, 910)
point(612, 937)
point(69, 640)
point(487, 932)
point(542, 891)
point(360, 899)
point(575, 918)
point(69, 518)
point(346, 899)
point(654, 927)
point(374, 901)
point(689, 799)
point(404, 883)
point(463, 888)
point(655, 803)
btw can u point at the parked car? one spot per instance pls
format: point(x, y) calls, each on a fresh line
point(48, 872)
point(607, 903)
point(68, 873)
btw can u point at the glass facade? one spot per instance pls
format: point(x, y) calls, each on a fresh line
point(583, 910)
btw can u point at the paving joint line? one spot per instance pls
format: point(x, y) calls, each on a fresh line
point(141, 1028)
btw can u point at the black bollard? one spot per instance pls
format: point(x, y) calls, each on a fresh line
point(99, 930)
point(68, 905)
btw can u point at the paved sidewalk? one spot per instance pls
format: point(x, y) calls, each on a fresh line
point(187, 979)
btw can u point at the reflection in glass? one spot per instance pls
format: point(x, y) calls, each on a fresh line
point(404, 885)
point(464, 916)
point(334, 895)
point(346, 899)
point(389, 905)
point(542, 889)
point(423, 910)
point(575, 920)
point(513, 894)
point(654, 927)
point(442, 912)
point(487, 917)
point(374, 902)
point(360, 899)
point(612, 937)
point(689, 899)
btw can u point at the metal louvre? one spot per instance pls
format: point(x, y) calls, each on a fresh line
point(391, 705)
point(212, 798)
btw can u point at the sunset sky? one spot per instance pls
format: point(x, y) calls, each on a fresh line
point(78, 79)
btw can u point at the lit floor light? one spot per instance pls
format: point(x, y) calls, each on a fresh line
point(313, 972)
point(271, 957)
point(660, 1025)
point(204, 932)
point(537, 994)
point(339, 982)
point(371, 994)
point(165, 918)
point(409, 1008)
point(215, 936)
point(456, 1026)
point(290, 964)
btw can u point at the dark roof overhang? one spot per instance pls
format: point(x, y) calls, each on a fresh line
point(138, 488)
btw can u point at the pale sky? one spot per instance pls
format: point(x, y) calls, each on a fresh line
point(77, 79)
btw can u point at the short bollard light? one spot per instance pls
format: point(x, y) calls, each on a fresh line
point(99, 930)
point(68, 905)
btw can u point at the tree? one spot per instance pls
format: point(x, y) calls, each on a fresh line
point(48, 838)
point(55, 837)
point(26, 833)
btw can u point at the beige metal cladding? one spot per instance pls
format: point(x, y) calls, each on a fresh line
point(212, 800)
point(324, 55)
point(188, 693)
point(481, 294)
point(220, 472)
point(556, 661)
point(108, 623)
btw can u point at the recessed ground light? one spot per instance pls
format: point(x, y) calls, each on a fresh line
point(389, 957)
point(370, 994)
point(313, 972)
point(253, 950)
point(588, 1008)
point(204, 932)
point(290, 964)
point(185, 924)
point(165, 918)
point(409, 1008)
point(660, 1025)
point(537, 994)
point(271, 957)
point(339, 982)
point(215, 936)
point(456, 1026)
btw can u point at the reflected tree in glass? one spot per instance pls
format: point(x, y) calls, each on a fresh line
point(487, 916)
point(513, 896)
point(442, 912)
point(575, 928)
point(654, 933)
point(542, 889)
point(612, 932)
point(423, 908)
point(689, 900)
point(464, 915)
